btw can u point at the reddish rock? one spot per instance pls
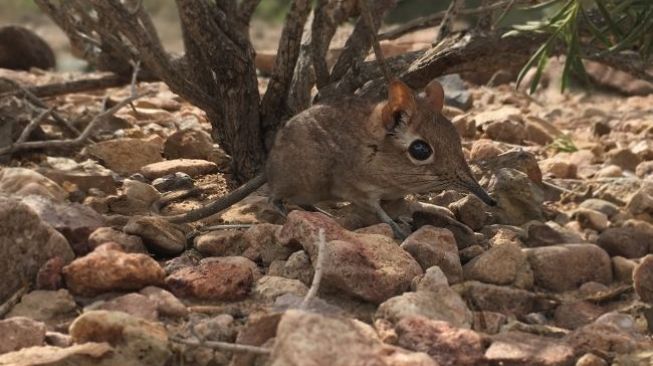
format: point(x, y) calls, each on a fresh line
point(597, 338)
point(132, 304)
point(126, 156)
point(368, 266)
point(502, 299)
point(20, 332)
point(221, 243)
point(576, 314)
point(50, 275)
point(643, 279)
point(446, 344)
point(188, 144)
point(160, 236)
point(192, 167)
point(224, 278)
point(107, 269)
point(130, 243)
point(502, 264)
point(432, 246)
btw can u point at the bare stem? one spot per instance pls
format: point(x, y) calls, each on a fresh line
point(319, 270)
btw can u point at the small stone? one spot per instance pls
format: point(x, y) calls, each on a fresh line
point(470, 253)
point(20, 332)
point(541, 235)
point(49, 276)
point(126, 156)
point(516, 159)
point(512, 132)
point(446, 344)
point(465, 126)
point(130, 243)
point(607, 208)
point(22, 182)
point(167, 304)
point(79, 354)
point(598, 337)
point(223, 278)
point(160, 236)
point(432, 246)
point(380, 229)
point(107, 269)
point(623, 269)
point(46, 306)
point(609, 171)
point(470, 210)
point(558, 168)
point(643, 279)
point(644, 170)
point(137, 198)
point(519, 200)
point(517, 348)
point(442, 304)
point(591, 219)
point(576, 314)
point(270, 287)
point(192, 167)
point(58, 339)
point(220, 243)
point(592, 288)
point(502, 299)
point(501, 265)
point(565, 267)
point(484, 149)
point(188, 144)
point(432, 280)
point(132, 304)
point(541, 131)
point(219, 328)
point(590, 359)
point(135, 340)
point(624, 242)
point(262, 244)
point(624, 158)
point(298, 267)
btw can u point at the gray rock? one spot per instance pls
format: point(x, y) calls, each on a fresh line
point(20, 332)
point(643, 279)
point(503, 264)
point(130, 243)
point(519, 199)
point(50, 307)
point(441, 303)
point(432, 246)
point(502, 299)
point(271, 287)
point(159, 235)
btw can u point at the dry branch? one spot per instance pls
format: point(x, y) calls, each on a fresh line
point(319, 270)
point(222, 346)
point(73, 86)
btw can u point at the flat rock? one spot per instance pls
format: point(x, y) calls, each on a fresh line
point(135, 340)
point(87, 175)
point(220, 243)
point(598, 337)
point(127, 156)
point(440, 304)
point(643, 279)
point(50, 307)
point(133, 304)
point(270, 287)
point(26, 243)
point(432, 246)
point(167, 304)
point(625, 242)
point(130, 243)
point(495, 298)
point(565, 267)
point(22, 182)
point(368, 266)
point(109, 269)
point(188, 144)
point(503, 264)
point(159, 235)
point(517, 348)
point(192, 167)
point(445, 343)
point(223, 278)
point(75, 221)
point(305, 338)
point(20, 332)
point(608, 208)
point(76, 355)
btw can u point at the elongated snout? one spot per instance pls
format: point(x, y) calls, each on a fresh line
point(470, 184)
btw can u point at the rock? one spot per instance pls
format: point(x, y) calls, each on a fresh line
point(441, 303)
point(50, 307)
point(456, 93)
point(607, 208)
point(558, 168)
point(625, 242)
point(484, 149)
point(503, 264)
point(519, 200)
point(305, 338)
point(590, 359)
point(135, 340)
point(368, 266)
point(167, 304)
point(432, 246)
point(132, 304)
point(262, 244)
point(432, 280)
point(380, 229)
point(516, 159)
point(130, 243)
point(75, 221)
point(591, 219)
point(517, 348)
point(540, 235)
point(137, 198)
point(576, 314)
point(188, 144)
point(464, 236)
point(23, 49)
point(502, 299)
point(512, 132)
point(565, 267)
point(173, 182)
point(26, 243)
point(23, 182)
point(58, 339)
point(623, 158)
point(223, 278)
point(541, 131)
point(643, 279)
point(107, 269)
point(623, 269)
point(126, 156)
point(470, 253)
point(298, 267)
point(465, 126)
point(76, 355)
point(270, 287)
point(609, 171)
point(644, 170)
point(446, 344)
point(86, 176)
point(159, 235)
point(50, 276)
point(470, 210)
point(640, 204)
point(192, 167)
point(597, 337)
point(220, 243)
point(20, 332)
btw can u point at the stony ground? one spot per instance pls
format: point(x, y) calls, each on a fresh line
point(561, 273)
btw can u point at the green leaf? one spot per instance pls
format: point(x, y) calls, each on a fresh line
point(596, 32)
point(541, 64)
point(606, 14)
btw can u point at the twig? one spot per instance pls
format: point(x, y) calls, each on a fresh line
point(79, 139)
point(226, 227)
point(366, 13)
point(222, 346)
point(132, 87)
point(32, 125)
point(73, 86)
point(319, 270)
point(13, 300)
